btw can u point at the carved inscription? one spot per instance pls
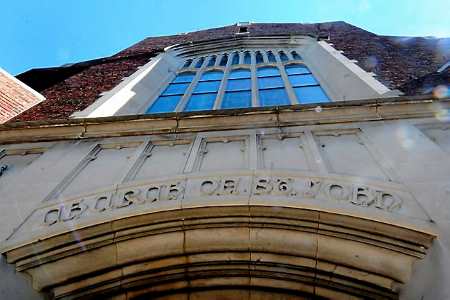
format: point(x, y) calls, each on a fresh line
point(127, 198)
point(294, 188)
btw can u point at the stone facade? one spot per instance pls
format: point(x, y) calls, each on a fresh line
point(335, 200)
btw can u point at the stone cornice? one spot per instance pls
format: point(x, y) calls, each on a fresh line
point(282, 116)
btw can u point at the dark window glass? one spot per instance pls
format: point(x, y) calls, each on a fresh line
point(212, 61)
point(295, 55)
point(240, 73)
point(259, 58)
point(200, 62)
point(201, 102)
point(247, 58)
point(224, 60)
point(311, 94)
point(237, 99)
point(272, 97)
point(283, 56)
point(235, 60)
point(164, 104)
point(187, 63)
point(271, 57)
point(297, 69)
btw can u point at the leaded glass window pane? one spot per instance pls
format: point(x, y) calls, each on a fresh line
point(311, 94)
point(175, 88)
point(212, 75)
point(283, 56)
point(201, 102)
point(207, 86)
point(224, 60)
point(295, 55)
point(297, 69)
point(239, 84)
point(235, 60)
point(302, 80)
point(200, 62)
point(212, 61)
point(271, 57)
point(164, 104)
point(273, 97)
point(237, 99)
point(184, 77)
point(187, 63)
point(268, 71)
point(259, 58)
point(247, 58)
point(240, 73)
point(270, 82)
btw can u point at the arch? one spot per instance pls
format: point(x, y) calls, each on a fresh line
point(212, 61)
point(209, 247)
point(235, 60)
point(224, 60)
point(271, 57)
point(283, 56)
point(187, 63)
point(200, 62)
point(295, 55)
point(259, 57)
point(247, 58)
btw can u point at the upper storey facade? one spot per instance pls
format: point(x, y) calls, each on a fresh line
point(77, 90)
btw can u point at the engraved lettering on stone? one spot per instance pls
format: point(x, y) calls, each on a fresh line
point(75, 211)
point(52, 217)
point(337, 192)
point(102, 203)
point(153, 194)
point(312, 188)
point(263, 186)
point(231, 186)
point(209, 187)
point(129, 197)
point(175, 191)
point(284, 186)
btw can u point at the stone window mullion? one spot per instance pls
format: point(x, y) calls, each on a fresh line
point(255, 94)
point(223, 84)
point(287, 84)
point(182, 104)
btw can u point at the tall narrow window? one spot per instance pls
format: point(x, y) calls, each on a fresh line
point(238, 92)
point(259, 58)
point(205, 93)
point(199, 63)
point(168, 100)
point(271, 87)
point(306, 87)
point(187, 63)
point(212, 61)
point(224, 60)
point(296, 56)
point(235, 60)
point(283, 56)
point(247, 58)
point(271, 57)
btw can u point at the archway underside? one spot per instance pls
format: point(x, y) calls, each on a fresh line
point(239, 252)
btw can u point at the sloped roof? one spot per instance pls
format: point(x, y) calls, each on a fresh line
point(395, 60)
point(15, 97)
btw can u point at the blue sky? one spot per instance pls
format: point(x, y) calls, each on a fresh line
point(43, 33)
